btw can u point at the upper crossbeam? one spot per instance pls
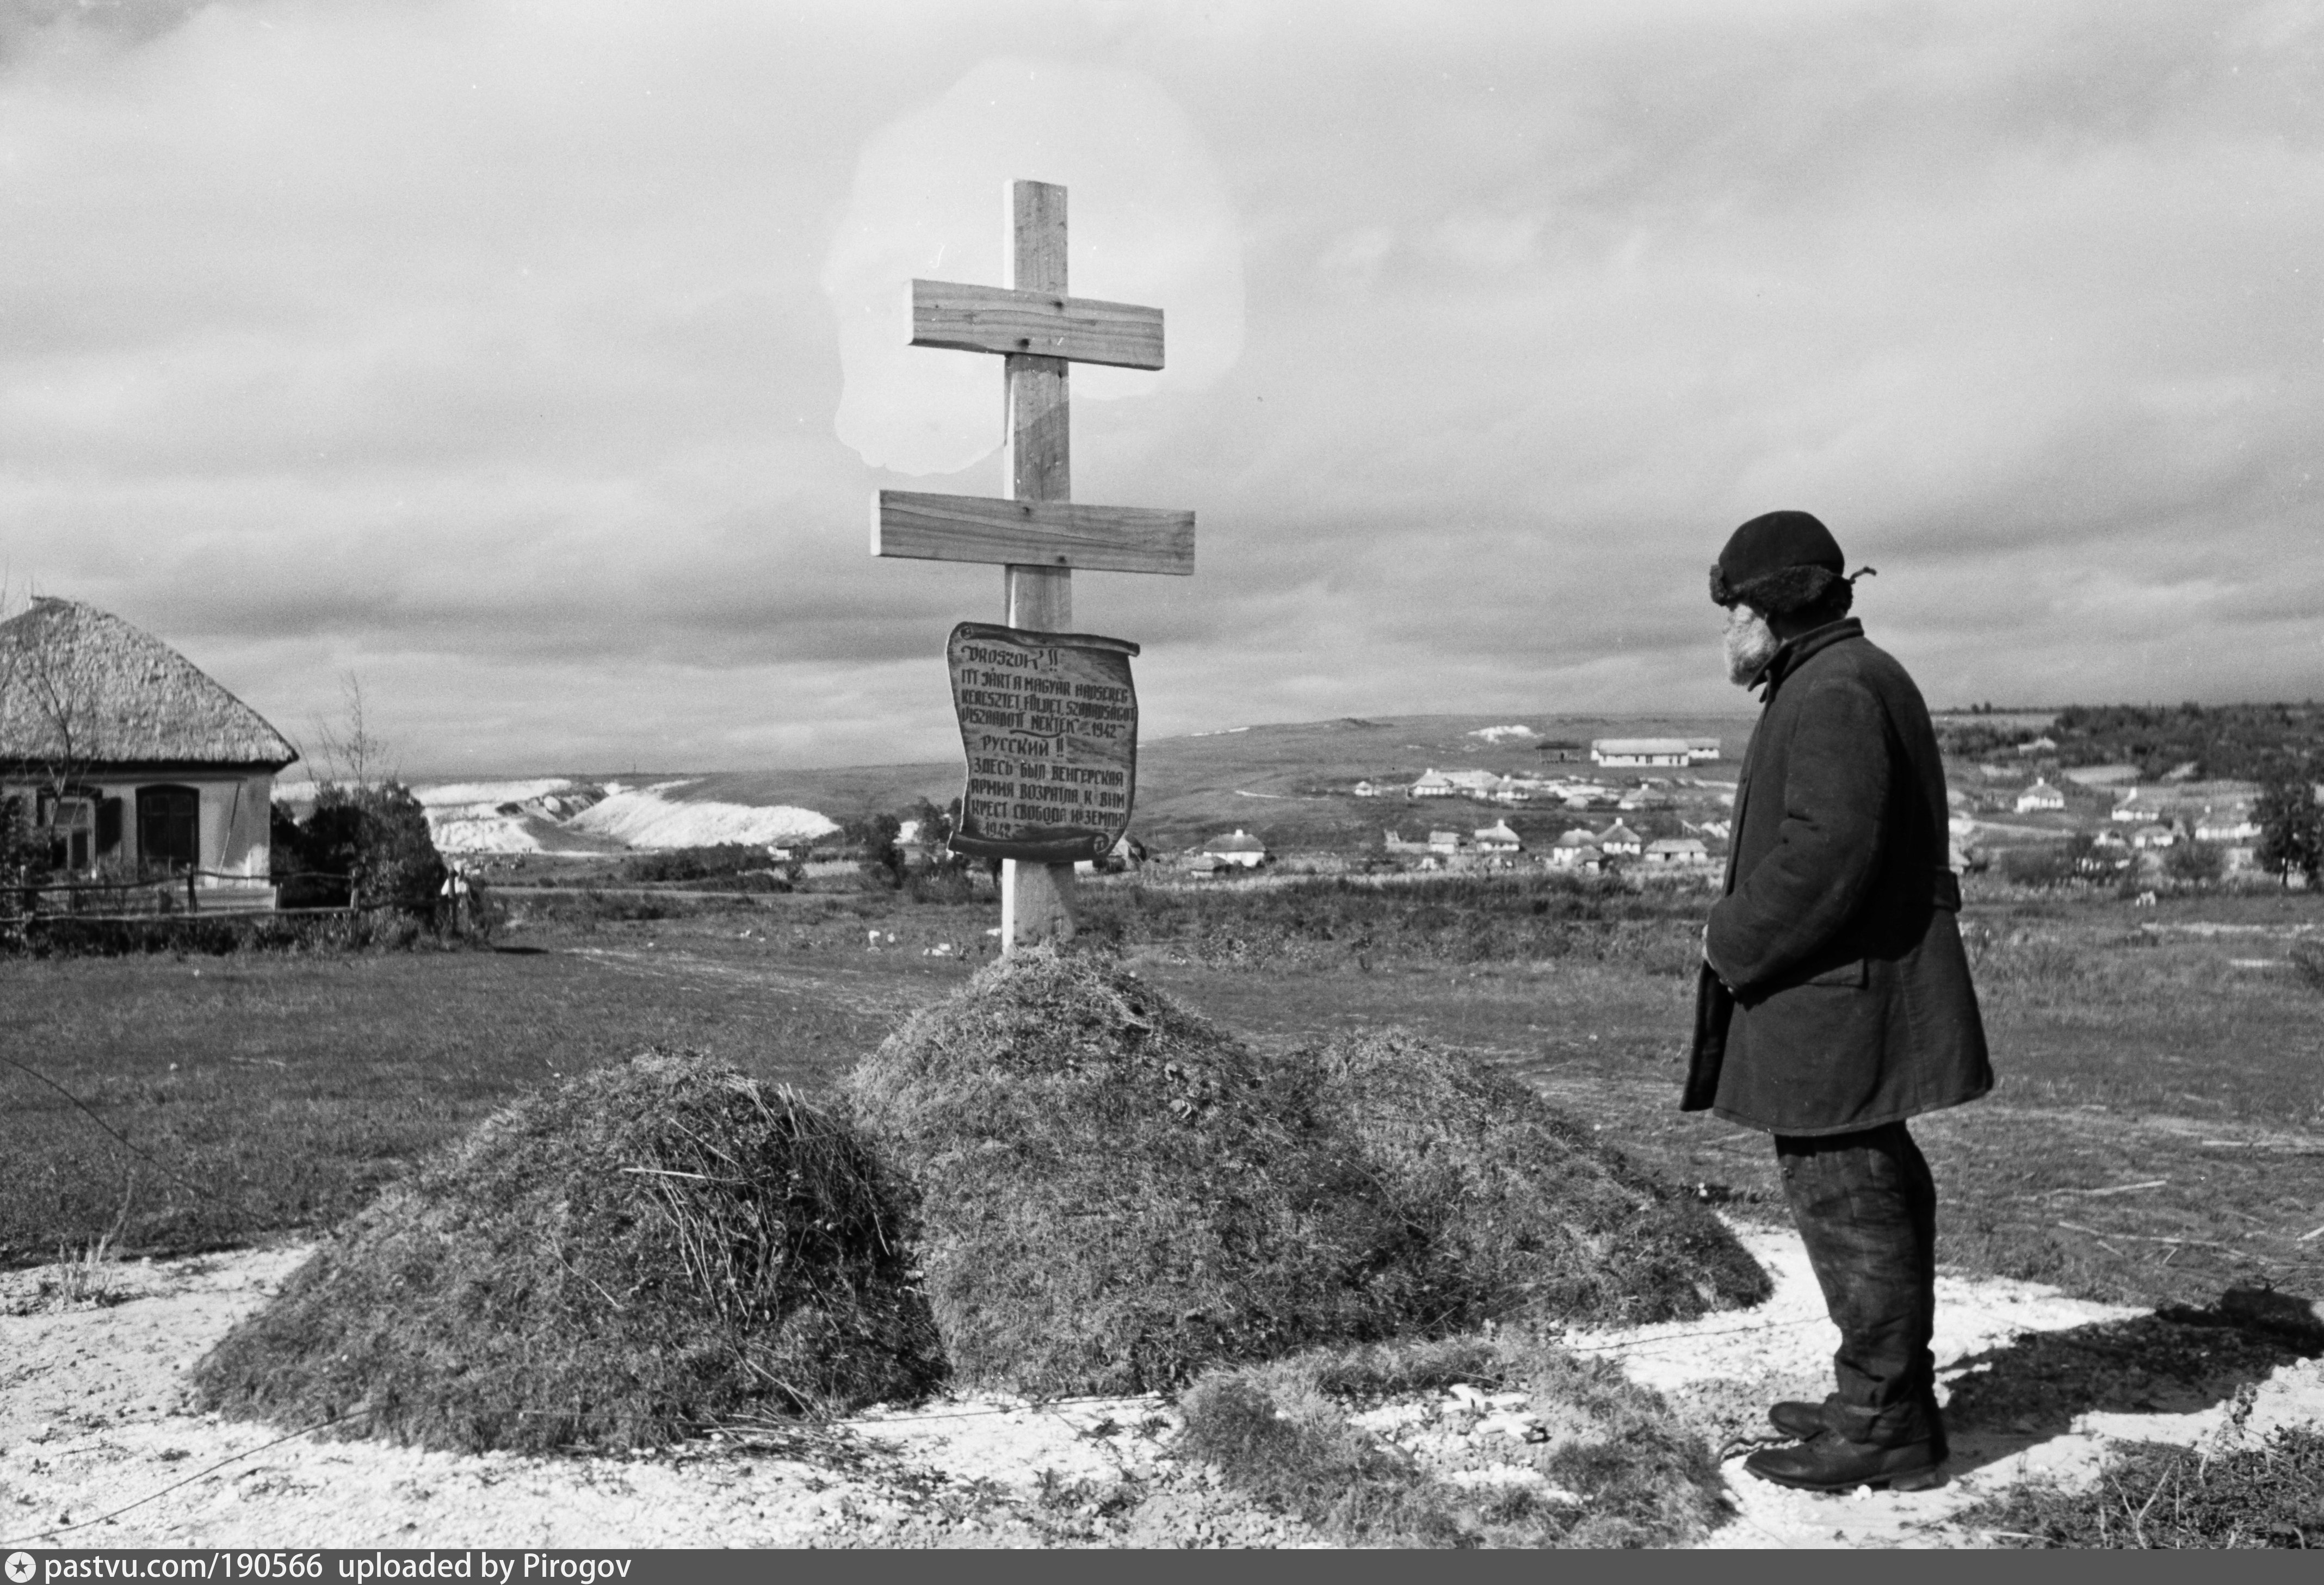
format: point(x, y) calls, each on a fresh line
point(1035, 324)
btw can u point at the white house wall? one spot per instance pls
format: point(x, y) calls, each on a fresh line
point(237, 833)
point(232, 819)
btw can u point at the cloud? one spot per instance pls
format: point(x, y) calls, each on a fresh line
point(523, 356)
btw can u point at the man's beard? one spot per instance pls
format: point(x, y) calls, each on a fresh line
point(1751, 643)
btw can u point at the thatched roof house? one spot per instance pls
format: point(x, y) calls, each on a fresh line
point(134, 759)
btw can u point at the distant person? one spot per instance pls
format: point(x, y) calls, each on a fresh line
point(454, 898)
point(1834, 1000)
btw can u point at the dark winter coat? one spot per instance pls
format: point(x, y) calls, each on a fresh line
point(1841, 997)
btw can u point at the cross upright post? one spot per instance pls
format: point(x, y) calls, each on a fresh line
point(1037, 900)
point(1035, 532)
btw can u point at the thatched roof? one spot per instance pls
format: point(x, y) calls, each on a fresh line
point(79, 683)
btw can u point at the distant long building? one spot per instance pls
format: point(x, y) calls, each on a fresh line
point(1652, 752)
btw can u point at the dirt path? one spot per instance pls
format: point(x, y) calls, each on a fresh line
point(96, 1449)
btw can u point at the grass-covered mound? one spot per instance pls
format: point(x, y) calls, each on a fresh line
point(1113, 1194)
point(1519, 1212)
point(614, 1262)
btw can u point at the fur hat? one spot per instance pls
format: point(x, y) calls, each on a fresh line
point(1781, 562)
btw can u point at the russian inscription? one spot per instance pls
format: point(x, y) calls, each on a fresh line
point(1050, 723)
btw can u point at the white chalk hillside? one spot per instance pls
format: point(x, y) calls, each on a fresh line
point(650, 817)
point(520, 816)
point(559, 814)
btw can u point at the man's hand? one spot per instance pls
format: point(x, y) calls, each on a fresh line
point(1711, 965)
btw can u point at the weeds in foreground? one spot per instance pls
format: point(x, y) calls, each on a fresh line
point(2269, 1494)
point(1608, 1465)
point(88, 1279)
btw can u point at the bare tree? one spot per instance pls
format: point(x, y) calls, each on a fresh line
point(351, 753)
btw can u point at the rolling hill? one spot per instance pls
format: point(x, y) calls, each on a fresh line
point(1290, 784)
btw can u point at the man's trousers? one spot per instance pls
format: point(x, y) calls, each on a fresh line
point(1867, 1209)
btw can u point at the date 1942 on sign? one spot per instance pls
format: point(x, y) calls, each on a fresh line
point(1049, 721)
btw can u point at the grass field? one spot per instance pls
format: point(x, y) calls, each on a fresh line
point(261, 1092)
point(2157, 1132)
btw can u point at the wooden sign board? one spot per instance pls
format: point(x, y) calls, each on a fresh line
point(1049, 721)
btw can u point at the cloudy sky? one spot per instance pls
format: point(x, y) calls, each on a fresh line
point(535, 360)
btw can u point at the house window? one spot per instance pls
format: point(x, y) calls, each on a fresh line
point(72, 834)
point(169, 829)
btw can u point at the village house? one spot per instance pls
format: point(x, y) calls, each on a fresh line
point(1239, 849)
point(1445, 842)
point(1576, 849)
point(2038, 797)
point(1365, 789)
point(135, 764)
point(1617, 840)
point(2154, 836)
point(1433, 784)
point(1497, 838)
point(1638, 752)
point(2225, 826)
point(1677, 851)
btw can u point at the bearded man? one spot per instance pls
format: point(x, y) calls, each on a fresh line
point(1834, 1000)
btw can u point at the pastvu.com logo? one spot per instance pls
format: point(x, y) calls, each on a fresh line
point(20, 1567)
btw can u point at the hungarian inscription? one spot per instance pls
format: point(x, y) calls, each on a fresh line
point(1049, 721)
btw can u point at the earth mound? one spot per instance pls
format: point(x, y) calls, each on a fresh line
point(1111, 1194)
point(620, 1261)
point(1521, 1212)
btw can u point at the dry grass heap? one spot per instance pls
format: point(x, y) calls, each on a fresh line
point(1113, 1194)
point(634, 1255)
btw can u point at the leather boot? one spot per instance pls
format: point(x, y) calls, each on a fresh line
point(1830, 1462)
point(1802, 1421)
point(1797, 1419)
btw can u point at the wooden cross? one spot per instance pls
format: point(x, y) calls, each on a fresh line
point(1037, 532)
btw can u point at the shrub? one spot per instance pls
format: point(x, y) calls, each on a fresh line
point(2194, 864)
point(1113, 1194)
point(366, 846)
point(2049, 865)
point(739, 865)
point(2307, 955)
point(1282, 1432)
point(634, 1255)
point(212, 935)
point(2291, 831)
